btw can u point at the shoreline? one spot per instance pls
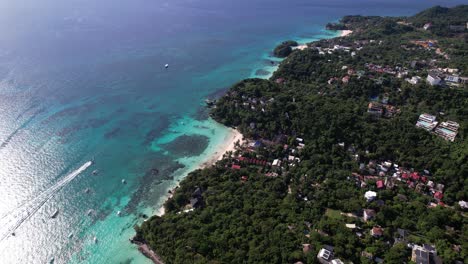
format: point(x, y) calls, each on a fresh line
point(229, 144)
point(233, 136)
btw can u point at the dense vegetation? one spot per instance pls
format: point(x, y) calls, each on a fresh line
point(284, 49)
point(247, 217)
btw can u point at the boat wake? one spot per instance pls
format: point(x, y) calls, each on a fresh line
point(13, 219)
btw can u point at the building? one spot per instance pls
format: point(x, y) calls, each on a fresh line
point(325, 255)
point(414, 80)
point(427, 122)
point(380, 184)
point(276, 163)
point(447, 130)
point(425, 254)
point(433, 79)
point(375, 108)
point(457, 28)
point(427, 26)
point(376, 231)
point(369, 214)
point(370, 196)
point(452, 79)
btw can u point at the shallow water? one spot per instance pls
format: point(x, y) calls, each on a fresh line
point(85, 80)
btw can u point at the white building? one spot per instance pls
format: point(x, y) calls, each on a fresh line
point(433, 79)
point(370, 196)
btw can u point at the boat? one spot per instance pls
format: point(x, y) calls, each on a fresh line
point(124, 181)
point(89, 212)
point(95, 240)
point(54, 214)
point(95, 172)
point(119, 213)
point(86, 190)
point(166, 66)
point(70, 235)
point(52, 260)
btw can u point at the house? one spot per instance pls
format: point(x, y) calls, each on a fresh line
point(438, 195)
point(195, 202)
point(370, 196)
point(375, 108)
point(427, 26)
point(414, 80)
point(376, 231)
point(457, 28)
point(306, 248)
point(325, 255)
point(427, 122)
point(276, 163)
point(425, 254)
point(345, 79)
point(351, 226)
point(235, 167)
point(337, 261)
point(463, 204)
point(369, 214)
point(380, 184)
point(433, 79)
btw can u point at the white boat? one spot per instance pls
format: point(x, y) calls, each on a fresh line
point(70, 235)
point(51, 260)
point(86, 190)
point(166, 66)
point(54, 214)
point(95, 240)
point(95, 172)
point(119, 213)
point(89, 212)
point(124, 181)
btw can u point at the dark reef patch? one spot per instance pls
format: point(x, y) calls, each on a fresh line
point(187, 145)
point(262, 72)
point(158, 168)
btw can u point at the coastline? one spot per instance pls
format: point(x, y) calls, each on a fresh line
point(229, 144)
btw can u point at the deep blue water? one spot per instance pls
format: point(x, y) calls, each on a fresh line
point(84, 80)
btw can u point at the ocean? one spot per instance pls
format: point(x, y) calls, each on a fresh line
point(83, 89)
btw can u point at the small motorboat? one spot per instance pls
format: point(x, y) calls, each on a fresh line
point(119, 213)
point(95, 240)
point(70, 235)
point(166, 66)
point(90, 211)
point(124, 181)
point(95, 172)
point(54, 214)
point(87, 190)
point(52, 260)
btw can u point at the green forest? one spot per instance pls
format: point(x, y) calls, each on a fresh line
point(320, 97)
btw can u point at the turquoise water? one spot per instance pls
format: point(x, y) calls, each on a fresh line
point(85, 81)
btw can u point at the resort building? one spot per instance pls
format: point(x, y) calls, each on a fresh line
point(414, 80)
point(447, 130)
point(325, 255)
point(425, 254)
point(427, 122)
point(433, 79)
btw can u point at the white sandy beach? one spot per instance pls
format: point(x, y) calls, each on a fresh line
point(345, 33)
point(229, 143)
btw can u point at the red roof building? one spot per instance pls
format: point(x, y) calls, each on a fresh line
point(244, 178)
point(438, 195)
point(415, 176)
point(380, 184)
point(236, 167)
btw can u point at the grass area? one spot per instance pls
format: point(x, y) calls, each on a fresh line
point(333, 214)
